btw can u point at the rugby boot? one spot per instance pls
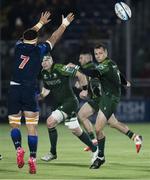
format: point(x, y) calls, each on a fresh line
point(20, 157)
point(138, 142)
point(98, 162)
point(48, 157)
point(32, 165)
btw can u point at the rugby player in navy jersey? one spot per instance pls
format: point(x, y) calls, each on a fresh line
point(22, 99)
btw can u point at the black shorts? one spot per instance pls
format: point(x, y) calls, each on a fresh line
point(22, 98)
point(107, 104)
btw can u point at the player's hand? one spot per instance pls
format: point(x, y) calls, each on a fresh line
point(70, 65)
point(83, 94)
point(67, 20)
point(44, 19)
point(40, 98)
point(128, 84)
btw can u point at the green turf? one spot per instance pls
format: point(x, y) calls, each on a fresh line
point(122, 162)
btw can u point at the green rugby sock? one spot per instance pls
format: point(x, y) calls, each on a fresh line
point(91, 135)
point(101, 147)
point(53, 136)
point(130, 134)
point(86, 140)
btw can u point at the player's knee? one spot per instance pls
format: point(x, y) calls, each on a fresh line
point(77, 131)
point(13, 125)
point(98, 131)
point(99, 134)
point(51, 122)
point(32, 130)
point(56, 117)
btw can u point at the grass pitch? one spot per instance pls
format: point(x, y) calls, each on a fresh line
point(122, 162)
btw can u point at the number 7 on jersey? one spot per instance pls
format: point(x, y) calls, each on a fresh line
point(25, 60)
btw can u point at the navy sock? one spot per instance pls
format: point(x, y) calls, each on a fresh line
point(16, 137)
point(32, 143)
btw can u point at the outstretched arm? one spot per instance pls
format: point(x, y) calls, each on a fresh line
point(124, 81)
point(44, 19)
point(59, 32)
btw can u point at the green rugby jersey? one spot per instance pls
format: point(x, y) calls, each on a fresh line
point(109, 77)
point(58, 81)
point(93, 83)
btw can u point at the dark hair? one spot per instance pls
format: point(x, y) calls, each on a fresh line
point(86, 51)
point(30, 34)
point(101, 45)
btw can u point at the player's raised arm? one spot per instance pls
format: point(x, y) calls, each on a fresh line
point(44, 19)
point(58, 33)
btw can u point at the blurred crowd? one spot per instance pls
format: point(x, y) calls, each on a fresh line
point(16, 15)
point(19, 15)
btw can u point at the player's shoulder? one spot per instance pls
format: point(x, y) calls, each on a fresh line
point(42, 44)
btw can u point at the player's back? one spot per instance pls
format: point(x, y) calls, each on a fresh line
point(27, 63)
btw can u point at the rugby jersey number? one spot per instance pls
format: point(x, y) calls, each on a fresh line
point(25, 60)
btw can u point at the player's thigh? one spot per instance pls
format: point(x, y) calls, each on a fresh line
point(55, 118)
point(14, 100)
point(29, 99)
point(108, 106)
point(85, 111)
point(112, 120)
point(15, 120)
point(70, 107)
point(31, 118)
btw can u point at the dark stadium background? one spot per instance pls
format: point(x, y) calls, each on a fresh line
point(95, 21)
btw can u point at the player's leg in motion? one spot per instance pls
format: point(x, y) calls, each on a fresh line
point(99, 125)
point(52, 121)
point(74, 126)
point(14, 121)
point(114, 123)
point(84, 113)
point(31, 123)
point(56, 117)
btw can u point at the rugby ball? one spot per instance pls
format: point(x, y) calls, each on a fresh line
point(123, 11)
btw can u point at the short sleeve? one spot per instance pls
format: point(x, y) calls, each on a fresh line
point(19, 42)
point(44, 48)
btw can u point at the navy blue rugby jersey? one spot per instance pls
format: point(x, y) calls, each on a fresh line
point(27, 62)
